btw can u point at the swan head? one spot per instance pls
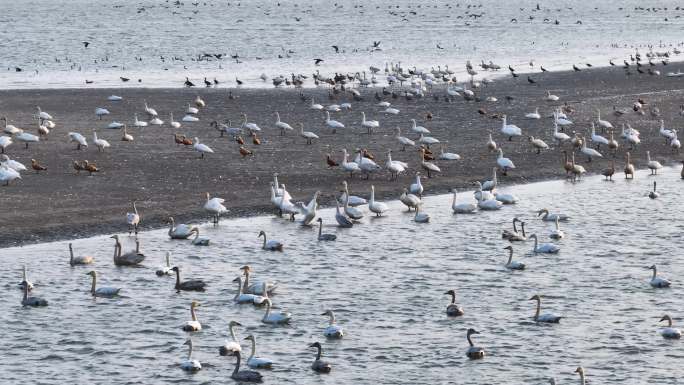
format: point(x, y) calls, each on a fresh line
point(580, 370)
point(315, 345)
point(450, 292)
point(249, 338)
point(261, 233)
point(175, 268)
point(319, 220)
point(238, 279)
point(652, 267)
point(327, 312)
point(533, 236)
point(188, 342)
point(246, 268)
point(92, 273)
point(472, 331)
point(542, 211)
point(234, 323)
point(535, 297)
point(666, 318)
point(508, 248)
point(116, 237)
point(194, 304)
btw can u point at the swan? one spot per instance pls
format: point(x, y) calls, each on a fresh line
point(350, 167)
point(391, 110)
point(376, 207)
point(264, 288)
point(182, 231)
point(173, 123)
point(427, 140)
point(675, 143)
point(257, 362)
point(125, 136)
point(276, 318)
point(25, 283)
point(324, 237)
point(453, 310)
point(26, 138)
point(511, 264)
point(115, 125)
point(251, 126)
point(546, 317)
point(473, 352)
point(481, 195)
point(410, 200)
point(669, 332)
point(653, 165)
point(533, 115)
point(515, 236)
point(165, 270)
point(580, 371)
point(199, 241)
point(653, 194)
point(319, 365)
point(509, 130)
point(548, 217)
point(215, 207)
point(603, 123)
point(350, 211)
point(333, 108)
point(282, 125)
point(244, 375)
point(631, 136)
point(199, 102)
point(150, 111)
point(105, 292)
point(243, 298)
point(100, 143)
point(368, 124)
point(421, 217)
point(504, 164)
point(658, 282)
point(43, 115)
point(538, 144)
point(403, 141)
point(333, 331)
point(342, 219)
point(507, 199)
point(190, 365)
point(156, 121)
point(559, 136)
point(5, 141)
point(490, 184)
point(100, 112)
point(557, 233)
point(191, 110)
point(416, 188)
point(132, 258)
point(547, 248)
point(462, 208)
point(190, 118)
point(665, 133)
point(491, 144)
point(309, 211)
point(138, 123)
point(550, 97)
point(270, 245)
point(395, 167)
point(561, 120)
point(231, 346)
point(447, 155)
point(283, 203)
point(428, 166)
point(315, 106)
point(32, 301)
point(79, 139)
point(418, 129)
point(629, 167)
point(193, 325)
point(308, 135)
point(191, 285)
point(201, 148)
point(9, 128)
point(7, 174)
point(80, 260)
point(133, 220)
point(589, 152)
point(334, 124)
point(598, 139)
point(11, 163)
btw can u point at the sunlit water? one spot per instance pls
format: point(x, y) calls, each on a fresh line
point(385, 279)
point(45, 36)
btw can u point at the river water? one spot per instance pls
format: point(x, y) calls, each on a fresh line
point(385, 279)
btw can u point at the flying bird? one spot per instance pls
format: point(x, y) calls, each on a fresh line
point(318, 61)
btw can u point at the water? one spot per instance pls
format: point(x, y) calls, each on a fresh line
point(385, 279)
point(33, 38)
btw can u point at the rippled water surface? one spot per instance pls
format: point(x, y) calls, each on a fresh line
point(385, 279)
point(130, 38)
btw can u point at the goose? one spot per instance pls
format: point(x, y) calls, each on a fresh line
point(230, 347)
point(165, 270)
point(133, 220)
point(550, 97)
point(215, 207)
point(319, 365)
point(658, 282)
point(559, 136)
point(604, 124)
point(547, 248)
point(351, 212)
point(462, 208)
point(149, 110)
point(416, 188)
point(418, 129)
point(193, 325)
point(7, 174)
point(243, 298)
point(25, 283)
point(669, 332)
point(190, 118)
point(190, 285)
point(428, 166)
point(26, 138)
point(282, 125)
point(549, 217)
point(342, 220)
point(629, 167)
point(333, 331)
point(546, 317)
point(125, 136)
point(452, 309)
point(368, 124)
point(515, 236)
point(12, 164)
point(509, 130)
point(5, 141)
point(410, 200)
point(182, 231)
point(173, 123)
point(271, 245)
point(334, 124)
point(403, 141)
point(100, 112)
point(9, 128)
point(504, 164)
point(511, 264)
point(199, 102)
point(665, 133)
point(80, 260)
point(309, 211)
point(315, 106)
point(79, 139)
point(190, 365)
point(43, 115)
point(104, 292)
point(589, 152)
point(533, 115)
point(138, 123)
point(32, 301)
point(473, 352)
point(394, 167)
point(421, 217)
point(557, 233)
point(376, 207)
point(347, 166)
point(276, 318)
point(491, 144)
point(653, 165)
point(598, 139)
point(308, 135)
point(653, 194)
point(538, 144)
point(257, 362)
point(100, 143)
point(447, 155)
point(131, 258)
point(201, 148)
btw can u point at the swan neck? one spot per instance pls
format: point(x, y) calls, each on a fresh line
point(237, 364)
point(245, 284)
point(268, 310)
point(536, 313)
point(232, 333)
point(192, 313)
point(318, 352)
point(510, 256)
point(93, 285)
point(470, 342)
point(253, 340)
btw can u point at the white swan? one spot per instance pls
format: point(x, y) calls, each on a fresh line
point(546, 317)
point(557, 233)
point(315, 106)
point(190, 118)
point(79, 139)
point(533, 115)
point(507, 199)
point(403, 141)
point(352, 212)
point(603, 123)
point(511, 264)
point(509, 130)
point(334, 124)
point(416, 188)
point(369, 124)
point(100, 112)
point(550, 97)
point(653, 165)
point(308, 135)
point(125, 136)
point(410, 200)
point(378, 208)
point(138, 123)
point(190, 110)
point(43, 115)
point(598, 139)
point(347, 166)
point(190, 365)
point(100, 143)
point(271, 245)
point(9, 128)
point(342, 219)
point(182, 231)
point(421, 216)
point(491, 144)
point(201, 148)
point(257, 287)
point(133, 220)
point(257, 362)
point(275, 318)
point(149, 110)
point(538, 144)
point(199, 102)
point(282, 125)
point(80, 260)
point(447, 155)
point(309, 211)
point(658, 282)
point(428, 166)
point(165, 269)
point(8, 175)
point(333, 331)
point(462, 208)
point(504, 164)
point(173, 123)
point(561, 119)
point(547, 248)
point(244, 298)
point(666, 133)
point(669, 332)
point(230, 347)
point(427, 140)
point(559, 136)
point(5, 141)
point(548, 217)
point(589, 152)
point(473, 352)
point(114, 98)
point(215, 207)
point(11, 163)
point(105, 292)
point(489, 204)
point(193, 325)
point(394, 167)
point(418, 129)
point(26, 138)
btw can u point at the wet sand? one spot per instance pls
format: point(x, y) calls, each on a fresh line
point(170, 180)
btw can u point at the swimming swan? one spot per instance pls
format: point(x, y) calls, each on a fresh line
point(377, 207)
point(131, 258)
point(669, 332)
point(319, 365)
point(80, 260)
point(462, 208)
point(547, 248)
point(548, 217)
point(257, 362)
point(474, 352)
point(511, 264)
point(105, 292)
point(182, 231)
point(242, 298)
point(191, 285)
point(324, 237)
point(190, 365)
point(270, 245)
point(165, 270)
point(333, 331)
point(231, 346)
point(276, 318)
point(193, 325)
point(546, 317)
point(244, 375)
point(452, 309)
point(658, 282)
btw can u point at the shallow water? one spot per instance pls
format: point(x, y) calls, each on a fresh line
point(34, 38)
point(385, 279)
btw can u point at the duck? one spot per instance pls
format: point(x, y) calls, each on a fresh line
point(201, 148)
point(333, 331)
point(182, 231)
point(658, 282)
point(79, 139)
point(190, 365)
point(557, 233)
point(271, 245)
point(473, 352)
point(462, 208)
point(629, 167)
point(133, 220)
point(452, 309)
point(403, 141)
point(190, 285)
point(547, 248)
point(509, 130)
point(653, 165)
point(319, 365)
point(257, 362)
point(653, 194)
point(560, 137)
point(229, 347)
point(104, 292)
point(131, 258)
point(551, 217)
point(275, 318)
point(504, 164)
point(511, 264)
point(243, 298)
point(533, 115)
point(515, 236)
point(421, 216)
point(32, 301)
point(165, 269)
point(538, 144)
point(215, 207)
point(669, 332)
point(546, 317)
point(589, 152)
point(193, 325)
point(80, 260)
point(376, 207)
point(264, 288)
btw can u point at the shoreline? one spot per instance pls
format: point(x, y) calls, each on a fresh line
point(167, 180)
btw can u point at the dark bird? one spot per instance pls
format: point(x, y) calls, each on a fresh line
point(530, 80)
point(86, 44)
point(376, 44)
point(574, 67)
point(207, 82)
point(589, 65)
point(89, 81)
point(428, 115)
point(514, 74)
point(542, 68)
point(611, 62)
point(509, 98)
point(238, 81)
point(17, 69)
point(123, 79)
point(37, 166)
point(438, 47)
point(188, 83)
point(239, 140)
point(482, 111)
point(216, 82)
point(329, 160)
point(318, 61)
point(336, 48)
point(511, 69)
